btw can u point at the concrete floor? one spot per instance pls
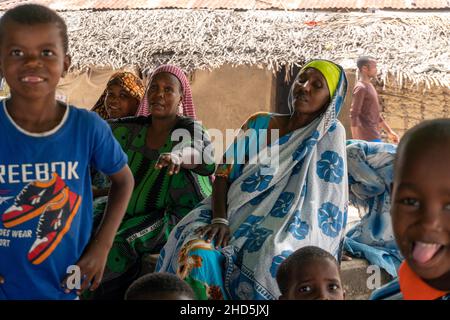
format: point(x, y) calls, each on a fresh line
point(357, 279)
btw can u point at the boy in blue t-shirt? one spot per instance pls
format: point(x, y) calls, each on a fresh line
point(46, 151)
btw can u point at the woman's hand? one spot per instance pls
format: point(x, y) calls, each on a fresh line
point(2, 280)
point(171, 160)
point(92, 265)
point(218, 231)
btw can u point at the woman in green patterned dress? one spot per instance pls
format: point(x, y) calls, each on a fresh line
point(167, 153)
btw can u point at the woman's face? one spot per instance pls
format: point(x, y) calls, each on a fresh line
point(164, 95)
point(119, 103)
point(311, 94)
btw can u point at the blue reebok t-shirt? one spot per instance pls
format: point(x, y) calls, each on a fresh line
point(46, 199)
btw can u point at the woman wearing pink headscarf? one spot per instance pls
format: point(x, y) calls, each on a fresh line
point(187, 104)
point(171, 176)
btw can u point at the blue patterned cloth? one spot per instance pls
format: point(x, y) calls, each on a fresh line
point(370, 171)
point(389, 291)
point(303, 201)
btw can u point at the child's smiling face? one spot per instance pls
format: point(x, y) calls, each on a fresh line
point(421, 210)
point(32, 58)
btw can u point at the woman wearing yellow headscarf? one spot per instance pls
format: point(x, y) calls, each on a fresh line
point(261, 211)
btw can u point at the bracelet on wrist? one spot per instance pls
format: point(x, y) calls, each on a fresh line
point(221, 221)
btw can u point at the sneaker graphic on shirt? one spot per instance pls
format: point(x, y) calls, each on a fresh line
point(53, 224)
point(33, 200)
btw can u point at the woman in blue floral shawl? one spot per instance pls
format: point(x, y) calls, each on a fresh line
point(265, 207)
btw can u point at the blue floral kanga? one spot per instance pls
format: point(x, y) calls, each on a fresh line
point(256, 182)
point(283, 205)
point(330, 219)
point(371, 172)
point(162, 255)
point(205, 215)
point(304, 189)
point(306, 146)
point(332, 128)
point(298, 228)
point(298, 167)
point(277, 260)
point(245, 228)
point(330, 167)
point(257, 200)
point(284, 139)
point(179, 232)
point(256, 239)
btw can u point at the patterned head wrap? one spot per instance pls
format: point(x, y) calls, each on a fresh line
point(188, 103)
point(128, 82)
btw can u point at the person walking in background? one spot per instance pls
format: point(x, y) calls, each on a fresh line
point(366, 119)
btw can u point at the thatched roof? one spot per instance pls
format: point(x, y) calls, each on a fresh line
point(329, 5)
point(411, 46)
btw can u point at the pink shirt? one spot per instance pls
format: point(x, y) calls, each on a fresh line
point(365, 112)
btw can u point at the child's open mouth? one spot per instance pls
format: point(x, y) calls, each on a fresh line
point(32, 79)
point(423, 253)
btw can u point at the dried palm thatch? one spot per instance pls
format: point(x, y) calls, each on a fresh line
point(411, 46)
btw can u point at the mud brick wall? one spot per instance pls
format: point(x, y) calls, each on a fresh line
point(404, 108)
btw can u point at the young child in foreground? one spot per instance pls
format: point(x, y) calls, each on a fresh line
point(46, 151)
point(420, 212)
point(310, 273)
point(159, 286)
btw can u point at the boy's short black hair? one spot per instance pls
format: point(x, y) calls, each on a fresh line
point(427, 133)
point(364, 61)
point(296, 260)
point(31, 14)
point(158, 282)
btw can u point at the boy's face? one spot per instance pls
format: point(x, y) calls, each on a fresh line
point(421, 212)
point(318, 279)
point(32, 59)
point(371, 69)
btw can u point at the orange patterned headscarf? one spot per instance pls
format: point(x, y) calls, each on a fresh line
point(129, 82)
